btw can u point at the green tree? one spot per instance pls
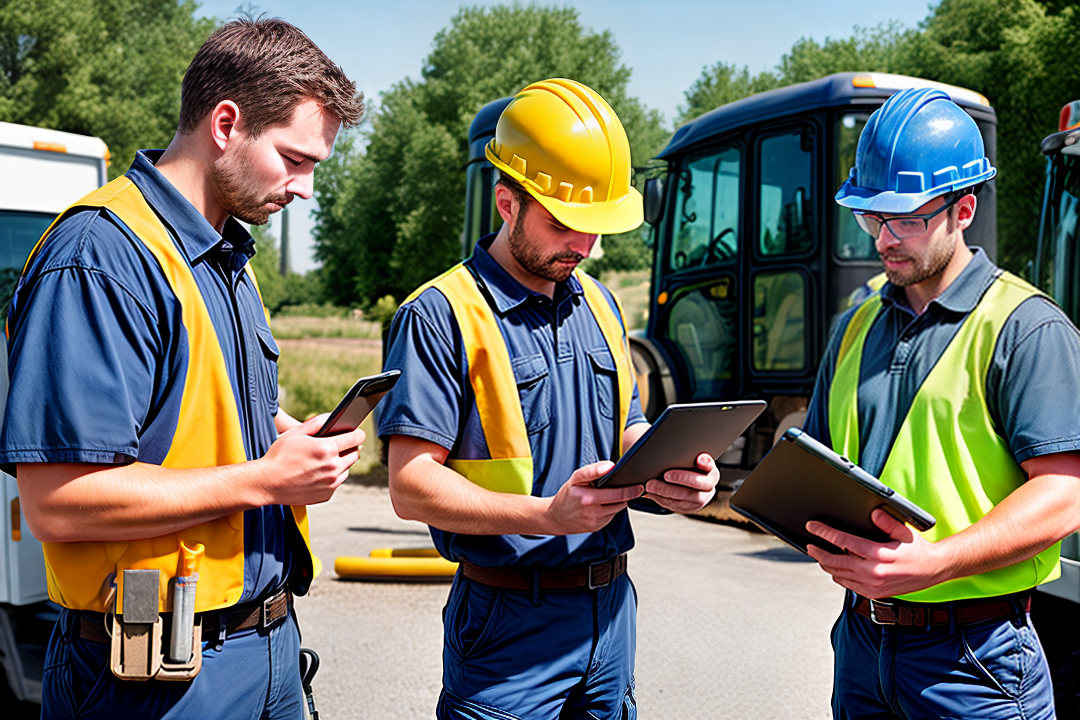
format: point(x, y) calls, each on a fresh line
point(398, 210)
point(721, 84)
point(110, 68)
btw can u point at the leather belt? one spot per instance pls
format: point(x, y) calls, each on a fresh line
point(591, 577)
point(961, 612)
point(263, 614)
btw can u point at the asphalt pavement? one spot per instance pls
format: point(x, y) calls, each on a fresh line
point(731, 624)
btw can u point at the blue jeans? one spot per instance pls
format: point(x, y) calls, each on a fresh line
point(993, 670)
point(253, 674)
point(555, 655)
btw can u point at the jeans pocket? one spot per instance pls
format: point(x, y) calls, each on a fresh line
point(998, 652)
point(471, 618)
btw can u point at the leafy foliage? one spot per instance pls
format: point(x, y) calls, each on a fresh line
point(110, 68)
point(397, 208)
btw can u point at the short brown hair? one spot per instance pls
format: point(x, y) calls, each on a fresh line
point(267, 67)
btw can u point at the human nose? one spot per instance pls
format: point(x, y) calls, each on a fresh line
point(301, 185)
point(886, 238)
point(583, 243)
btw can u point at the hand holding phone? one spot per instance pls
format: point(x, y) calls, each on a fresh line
point(361, 399)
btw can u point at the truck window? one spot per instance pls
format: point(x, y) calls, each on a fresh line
point(786, 165)
point(707, 211)
point(19, 232)
point(851, 243)
point(1060, 261)
point(780, 322)
point(701, 324)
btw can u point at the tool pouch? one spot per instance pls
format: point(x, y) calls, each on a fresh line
point(137, 650)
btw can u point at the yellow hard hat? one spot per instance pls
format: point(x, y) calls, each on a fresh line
point(567, 148)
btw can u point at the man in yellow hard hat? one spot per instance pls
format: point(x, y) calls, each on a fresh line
point(516, 393)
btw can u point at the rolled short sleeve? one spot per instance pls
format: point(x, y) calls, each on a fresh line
point(83, 366)
point(1036, 363)
point(427, 400)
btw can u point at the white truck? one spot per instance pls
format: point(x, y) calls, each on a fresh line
point(41, 173)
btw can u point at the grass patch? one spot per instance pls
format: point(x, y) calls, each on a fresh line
point(353, 327)
point(313, 376)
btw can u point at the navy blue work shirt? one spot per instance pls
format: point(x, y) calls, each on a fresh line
point(99, 354)
point(1036, 361)
point(566, 379)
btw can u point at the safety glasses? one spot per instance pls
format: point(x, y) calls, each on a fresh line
point(901, 226)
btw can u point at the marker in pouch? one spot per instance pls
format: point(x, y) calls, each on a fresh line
point(183, 619)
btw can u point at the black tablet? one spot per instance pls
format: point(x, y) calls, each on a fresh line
point(802, 480)
point(679, 435)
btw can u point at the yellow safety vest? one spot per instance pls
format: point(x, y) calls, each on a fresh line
point(509, 467)
point(208, 434)
point(947, 457)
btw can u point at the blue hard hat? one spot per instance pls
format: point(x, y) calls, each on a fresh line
point(918, 146)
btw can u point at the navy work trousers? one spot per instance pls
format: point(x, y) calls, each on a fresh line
point(993, 670)
point(543, 656)
point(254, 674)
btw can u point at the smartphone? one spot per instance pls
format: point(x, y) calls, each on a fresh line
point(361, 399)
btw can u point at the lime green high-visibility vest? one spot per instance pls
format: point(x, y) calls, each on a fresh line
point(947, 456)
point(509, 467)
point(208, 434)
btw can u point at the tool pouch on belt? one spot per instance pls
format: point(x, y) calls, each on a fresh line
point(138, 652)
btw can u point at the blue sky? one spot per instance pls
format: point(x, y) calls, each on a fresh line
point(666, 44)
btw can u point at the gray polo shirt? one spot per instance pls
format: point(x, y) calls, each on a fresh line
point(1031, 388)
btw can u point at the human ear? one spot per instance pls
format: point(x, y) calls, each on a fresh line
point(224, 119)
point(965, 213)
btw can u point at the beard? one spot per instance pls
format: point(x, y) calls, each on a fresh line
point(551, 267)
point(923, 268)
point(236, 190)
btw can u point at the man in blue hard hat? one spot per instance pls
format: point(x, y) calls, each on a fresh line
point(944, 385)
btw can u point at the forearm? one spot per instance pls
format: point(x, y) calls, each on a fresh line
point(74, 502)
point(1031, 519)
point(423, 489)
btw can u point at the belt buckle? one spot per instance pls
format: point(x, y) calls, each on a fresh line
point(873, 612)
point(591, 582)
point(274, 610)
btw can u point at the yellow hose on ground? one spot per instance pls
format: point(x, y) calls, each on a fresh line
point(404, 552)
point(395, 568)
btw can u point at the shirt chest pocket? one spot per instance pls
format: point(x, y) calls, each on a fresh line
point(604, 377)
point(534, 388)
point(266, 368)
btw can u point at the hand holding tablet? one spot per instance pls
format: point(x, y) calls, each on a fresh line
point(802, 480)
point(679, 435)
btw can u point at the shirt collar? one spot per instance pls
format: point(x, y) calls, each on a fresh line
point(506, 292)
point(962, 295)
point(196, 236)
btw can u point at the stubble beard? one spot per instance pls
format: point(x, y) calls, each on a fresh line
point(937, 258)
point(237, 192)
point(532, 260)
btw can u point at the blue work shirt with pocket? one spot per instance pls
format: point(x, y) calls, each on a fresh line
point(99, 353)
point(567, 383)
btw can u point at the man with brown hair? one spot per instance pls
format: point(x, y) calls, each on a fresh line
point(152, 458)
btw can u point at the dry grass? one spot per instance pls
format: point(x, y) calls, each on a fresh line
point(287, 327)
point(314, 374)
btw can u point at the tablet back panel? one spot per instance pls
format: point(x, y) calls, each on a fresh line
point(679, 435)
point(792, 486)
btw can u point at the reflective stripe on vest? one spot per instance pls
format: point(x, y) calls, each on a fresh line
point(509, 467)
point(947, 434)
point(208, 434)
